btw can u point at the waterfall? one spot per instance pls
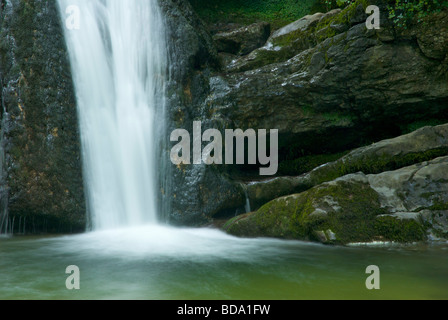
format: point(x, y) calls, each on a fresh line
point(118, 56)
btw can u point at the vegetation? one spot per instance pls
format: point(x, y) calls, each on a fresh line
point(401, 12)
point(277, 12)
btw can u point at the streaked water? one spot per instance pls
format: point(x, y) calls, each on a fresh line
point(118, 61)
point(163, 263)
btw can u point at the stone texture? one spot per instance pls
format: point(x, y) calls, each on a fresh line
point(42, 177)
point(390, 206)
point(196, 193)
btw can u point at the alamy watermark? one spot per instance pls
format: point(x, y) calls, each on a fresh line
point(373, 21)
point(213, 152)
point(73, 282)
point(373, 281)
point(73, 21)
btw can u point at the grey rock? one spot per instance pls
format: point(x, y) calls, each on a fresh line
point(400, 206)
point(243, 40)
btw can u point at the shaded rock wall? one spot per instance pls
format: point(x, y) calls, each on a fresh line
point(40, 138)
point(194, 193)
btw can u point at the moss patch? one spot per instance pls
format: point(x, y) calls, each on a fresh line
point(398, 230)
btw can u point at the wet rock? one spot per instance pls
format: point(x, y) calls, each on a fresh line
point(192, 195)
point(42, 174)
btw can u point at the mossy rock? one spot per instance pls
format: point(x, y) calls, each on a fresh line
point(313, 30)
point(340, 212)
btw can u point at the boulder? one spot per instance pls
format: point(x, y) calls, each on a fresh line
point(390, 206)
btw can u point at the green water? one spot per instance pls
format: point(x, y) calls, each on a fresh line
point(166, 263)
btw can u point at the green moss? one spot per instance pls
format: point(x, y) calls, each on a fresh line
point(349, 209)
point(324, 30)
point(283, 218)
point(399, 230)
point(307, 163)
point(439, 206)
point(291, 44)
point(290, 38)
point(267, 57)
point(359, 205)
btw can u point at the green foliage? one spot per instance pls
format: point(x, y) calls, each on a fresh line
point(404, 12)
point(334, 4)
point(401, 12)
point(277, 12)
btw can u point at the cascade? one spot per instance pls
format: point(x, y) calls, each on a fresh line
point(118, 56)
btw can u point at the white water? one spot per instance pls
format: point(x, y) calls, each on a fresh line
point(118, 62)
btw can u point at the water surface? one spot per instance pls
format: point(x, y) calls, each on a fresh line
point(166, 263)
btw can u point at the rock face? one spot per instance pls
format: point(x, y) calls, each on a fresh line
point(42, 180)
point(326, 82)
point(406, 205)
point(193, 194)
point(422, 145)
point(331, 84)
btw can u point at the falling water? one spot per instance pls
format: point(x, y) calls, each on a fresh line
point(118, 61)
